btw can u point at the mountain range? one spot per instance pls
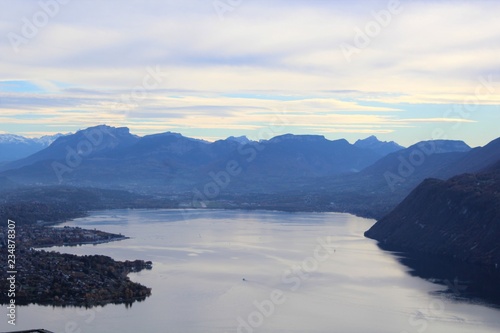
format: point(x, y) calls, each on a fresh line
point(368, 177)
point(14, 147)
point(338, 174)
point(436, 196)
point(113, 157)
point(302, 172)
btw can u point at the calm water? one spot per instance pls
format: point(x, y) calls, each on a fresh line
point(302, 272)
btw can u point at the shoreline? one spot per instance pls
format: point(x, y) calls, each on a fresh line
point(52, 278)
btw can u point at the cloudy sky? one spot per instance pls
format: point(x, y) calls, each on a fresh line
point(404, 71)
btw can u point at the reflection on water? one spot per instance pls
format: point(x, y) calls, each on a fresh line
point(463, 281)
point(246, 272)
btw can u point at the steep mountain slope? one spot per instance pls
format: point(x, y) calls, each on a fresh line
point(83, 143)
point(405, 169)
point(474, 161)
point(419, 154)
point(377, 189)
point(457, 218)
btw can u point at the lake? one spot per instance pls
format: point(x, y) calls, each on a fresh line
point(238, 271)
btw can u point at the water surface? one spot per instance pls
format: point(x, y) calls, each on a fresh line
point(237, 271)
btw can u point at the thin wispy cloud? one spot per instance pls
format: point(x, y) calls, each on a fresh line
point(79, 66)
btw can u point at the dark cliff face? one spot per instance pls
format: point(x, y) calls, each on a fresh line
point(458, 218)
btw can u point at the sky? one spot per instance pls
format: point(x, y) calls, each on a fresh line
point(401, 70)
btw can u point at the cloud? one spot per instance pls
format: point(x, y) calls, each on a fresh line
point(279, 55)
point(436, 120)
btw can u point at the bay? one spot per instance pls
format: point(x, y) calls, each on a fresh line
point(260, 271)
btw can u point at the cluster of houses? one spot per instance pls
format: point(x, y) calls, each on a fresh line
point(53, 278)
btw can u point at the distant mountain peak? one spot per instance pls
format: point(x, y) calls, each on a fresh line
point(371, 138)
point(172, 133)
point(47, 140)
point(302, 138)
point(380, 147)
point(239, 139)
point(106, 129)
point(444, 146)
point(14, 147)
point(180, 136)
point(12, 138)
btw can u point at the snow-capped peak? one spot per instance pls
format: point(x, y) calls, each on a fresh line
point(12, 138)
point(43, 141)
point(47, 140)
